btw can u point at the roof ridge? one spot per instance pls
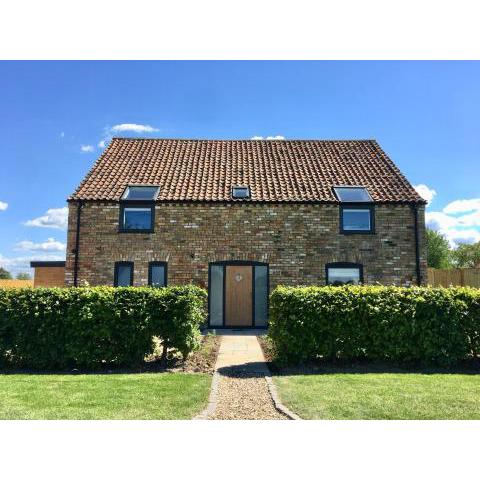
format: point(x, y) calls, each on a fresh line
point(249, 139)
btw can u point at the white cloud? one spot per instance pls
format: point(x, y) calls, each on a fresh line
point(459, 221)
point(425, 192)
point(276, 137)
point(133, 127)
point(62, 134)
point(102, 143)
point(87, 148)
point(460, 206)
point(3, 206)
point(51, 245)
point(440, 221)
point(22, 264)
point(53, 218)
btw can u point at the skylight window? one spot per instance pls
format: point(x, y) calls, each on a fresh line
point(352, 194)
point(140, 193)
point(240, 192)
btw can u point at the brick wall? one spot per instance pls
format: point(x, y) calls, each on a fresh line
point(49, 277)
point(296, 240)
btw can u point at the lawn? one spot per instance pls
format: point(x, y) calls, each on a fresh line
point(146, 396)
point(368, 396)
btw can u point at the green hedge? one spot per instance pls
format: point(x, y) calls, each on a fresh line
point(390, 324)
point(56, 328)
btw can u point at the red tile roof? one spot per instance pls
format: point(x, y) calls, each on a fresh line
point(275, 170)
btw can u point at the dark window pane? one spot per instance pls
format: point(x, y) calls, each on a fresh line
point(157, 276)
point(343, 276)
point(216, 295)
point(137, 218)
point(124, 275)
point(140, 193)
point(261, 295)
point(352, 194)
point(356, 219)
point(241, 192)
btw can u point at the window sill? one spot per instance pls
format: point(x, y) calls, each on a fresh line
point(135, 231)
point(357, 232)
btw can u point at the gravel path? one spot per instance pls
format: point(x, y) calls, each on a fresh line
point(244, 397)
point(242, 391)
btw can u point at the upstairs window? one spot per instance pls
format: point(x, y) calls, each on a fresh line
point(352, 194)
point(136, 219)
point(340, 273)
point(137, 208)
point(240, 192)
point(356, 219)
point(140, 192)
point(357, 214)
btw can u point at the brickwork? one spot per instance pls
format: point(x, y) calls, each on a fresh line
point(296, 240)
point(49, 277)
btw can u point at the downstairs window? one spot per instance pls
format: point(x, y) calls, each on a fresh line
point(343, 273)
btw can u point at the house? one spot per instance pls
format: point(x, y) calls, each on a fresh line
point(240, 217)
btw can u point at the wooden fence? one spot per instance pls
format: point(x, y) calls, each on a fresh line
point(15, 283)
point(465, 277)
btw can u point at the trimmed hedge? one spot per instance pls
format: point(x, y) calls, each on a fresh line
point(390, 324)
point(56, 328)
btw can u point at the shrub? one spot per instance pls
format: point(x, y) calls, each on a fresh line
point(392, 324)
point(50, 328)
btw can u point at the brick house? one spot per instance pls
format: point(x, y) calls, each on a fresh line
point(240, 217)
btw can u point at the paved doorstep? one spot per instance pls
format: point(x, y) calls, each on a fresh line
point(242, 392)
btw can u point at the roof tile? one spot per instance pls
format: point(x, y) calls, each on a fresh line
point(275, 170)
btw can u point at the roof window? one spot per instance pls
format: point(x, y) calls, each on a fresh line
point(352, 194)
point(240, 192)
point(140, 192)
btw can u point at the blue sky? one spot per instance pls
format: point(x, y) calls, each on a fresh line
point(55, 114)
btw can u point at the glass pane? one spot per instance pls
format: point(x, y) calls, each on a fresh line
point(137, 218)
point(356, 219)
point(261, 295)
point(157, 276)
point(241, 192)
point(343, 276)
point(352, 194)
point(124, 275)
point(140, 193)
point(216, 295)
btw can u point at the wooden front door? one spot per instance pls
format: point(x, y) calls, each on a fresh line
point(238, 296)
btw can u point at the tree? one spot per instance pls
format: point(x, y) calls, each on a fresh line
point(5, 274)
point(438, 250)
point(467, 256)
point(23, 276)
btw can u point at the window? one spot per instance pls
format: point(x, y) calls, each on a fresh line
point(241, 192)
point(137, 218)
point(157, 274)
point(140, 193)
point(123, 275)
point(355, 219)
point(344, 273)
point(356, 215)
point(352, 194)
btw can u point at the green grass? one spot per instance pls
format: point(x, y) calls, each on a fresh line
point(146, 396)
point(408, 396)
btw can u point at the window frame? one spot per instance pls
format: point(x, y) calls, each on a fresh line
point(358, 206)
point(157, 264)
point(242, 187)
point(127, 188)
point(115, 272)
point(344, 265)
point(136, 204)
point(352, 187)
